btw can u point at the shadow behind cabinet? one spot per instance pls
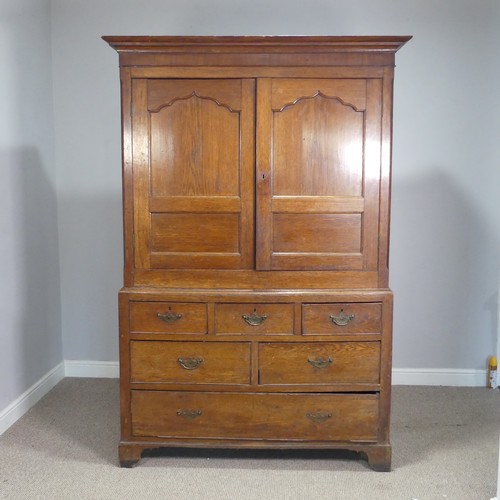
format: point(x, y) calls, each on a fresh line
point(256, 311)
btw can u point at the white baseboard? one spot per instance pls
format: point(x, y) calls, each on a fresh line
point(29, 398)
point(439, 376)
point(400, 376)
point(110, 369)
point(92, 369)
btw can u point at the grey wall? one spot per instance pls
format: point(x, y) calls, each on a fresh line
point(445, 247)
point(30, 331)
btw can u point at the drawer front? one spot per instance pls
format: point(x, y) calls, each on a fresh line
point(253, 319)
point(338, 417)
point(167, 317)
point(339, 319)
point(320, 363)
point(190, 362)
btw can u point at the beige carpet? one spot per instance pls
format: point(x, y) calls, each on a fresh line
point(445, 446)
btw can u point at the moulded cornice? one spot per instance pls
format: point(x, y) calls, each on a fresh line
point(271, 44)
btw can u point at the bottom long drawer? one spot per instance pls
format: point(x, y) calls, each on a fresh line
point(339, 417)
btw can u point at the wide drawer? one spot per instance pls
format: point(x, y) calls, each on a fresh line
point(190, 362)
point(348, 417)
point(339, 319)
point(167, 317)
point(253, 319)
point(319, 363)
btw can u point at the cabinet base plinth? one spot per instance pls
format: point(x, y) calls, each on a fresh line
point(378, 456)
point(129, 454)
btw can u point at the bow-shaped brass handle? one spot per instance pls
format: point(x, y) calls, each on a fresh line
point(319, 417)
point(190, 363)
point(170, 317)
point(254, 319)
point(320, 362)
point(342, 319)
point(189, 414)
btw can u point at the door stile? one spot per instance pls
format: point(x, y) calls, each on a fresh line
point(247, 174)
point(263, 223)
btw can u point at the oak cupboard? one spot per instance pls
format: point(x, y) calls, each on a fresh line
point(256, 311)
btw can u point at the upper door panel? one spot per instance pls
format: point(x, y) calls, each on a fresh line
point(318, 177)
point(193, 162)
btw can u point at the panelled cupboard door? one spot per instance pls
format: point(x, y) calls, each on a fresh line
point(193, 166)
point(318, 175)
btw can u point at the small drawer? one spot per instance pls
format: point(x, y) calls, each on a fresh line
point(319, 363)
point(190, 362)
point(300, 417)
point(241, 319)
point(339, 319)
point(168, 317)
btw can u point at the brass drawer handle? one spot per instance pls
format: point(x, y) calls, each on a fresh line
point(320, 362)
point(169, 317)
point(190, 363)
point(319, 417)
point(189, 414)
point(254, 319)
point(342, 319)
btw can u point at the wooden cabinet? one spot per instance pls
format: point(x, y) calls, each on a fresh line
point(256, 311)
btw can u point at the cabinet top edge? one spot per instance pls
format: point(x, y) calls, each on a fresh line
point(260, 44)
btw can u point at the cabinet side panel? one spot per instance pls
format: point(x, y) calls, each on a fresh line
point(125, 420)
point(386, 369)
point(127, 176)
point(372, 173)
point(385, 179)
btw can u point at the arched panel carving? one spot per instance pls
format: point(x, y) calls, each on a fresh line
point(190, 96)
point(318, 93)
point(163, 93)
point(351, 92)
